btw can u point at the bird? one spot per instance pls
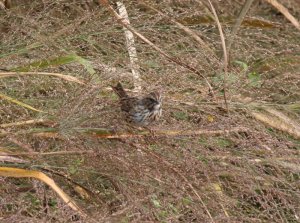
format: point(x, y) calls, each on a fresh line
point(140, 111)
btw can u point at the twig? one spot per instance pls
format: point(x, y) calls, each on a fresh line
point(23, 145)
point(278, 120)
point(62, 76)
point(7, 158)
point(238, 23)
point(168, 133)
point(111, 134)
point(69, 179)
point(47, 153)
point(131, 49)
point(28, 122)
point(170, 58)
point(285, 12)
point(19, 103)
point(25, 173)
point(225, 57)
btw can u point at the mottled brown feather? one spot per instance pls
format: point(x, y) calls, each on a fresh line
point(139, 110)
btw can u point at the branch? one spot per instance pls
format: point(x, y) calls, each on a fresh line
point(238, 22)
point(285, 12)
point(131, 49)
point(124, 23)
point(225, 55)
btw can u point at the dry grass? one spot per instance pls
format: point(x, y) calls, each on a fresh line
point(238, 177)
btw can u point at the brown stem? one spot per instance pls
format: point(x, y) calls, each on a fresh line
point(225, 57)
point(238, 23)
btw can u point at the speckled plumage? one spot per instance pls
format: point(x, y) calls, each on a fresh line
point(140, 110)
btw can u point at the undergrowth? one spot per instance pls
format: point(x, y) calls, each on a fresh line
point(249, 176)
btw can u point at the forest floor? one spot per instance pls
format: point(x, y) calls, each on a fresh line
point(201, 163)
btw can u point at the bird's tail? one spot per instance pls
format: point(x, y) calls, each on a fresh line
point(119, 90)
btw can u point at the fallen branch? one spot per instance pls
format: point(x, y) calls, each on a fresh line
point(112, 134)
point(109, 134)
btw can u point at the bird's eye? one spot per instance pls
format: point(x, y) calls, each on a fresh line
point(154, 101)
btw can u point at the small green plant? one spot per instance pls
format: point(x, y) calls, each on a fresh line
point(180, 115)
point(222, 142)
point(203, 159)
point(35, 202)
point(203, 141)
point(153, 147)
point(73, 168)
point(156, 202)
point(254, 79)
point(186, 201)
point(242, 64)
point(52, 202)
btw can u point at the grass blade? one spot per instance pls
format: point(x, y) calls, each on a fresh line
point(22, 104)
